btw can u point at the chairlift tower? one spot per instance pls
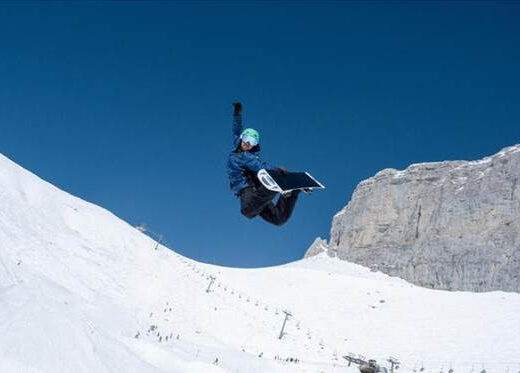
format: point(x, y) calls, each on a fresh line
point(287, 315)
point(212, 280)
point(394, 363)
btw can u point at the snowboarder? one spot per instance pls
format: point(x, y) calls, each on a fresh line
point(243, 164)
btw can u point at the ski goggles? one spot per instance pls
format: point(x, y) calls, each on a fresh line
point(249, 139)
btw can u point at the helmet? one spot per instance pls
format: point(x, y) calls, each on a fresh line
point(251, 136)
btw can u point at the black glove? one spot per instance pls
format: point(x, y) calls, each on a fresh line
point(237, 108)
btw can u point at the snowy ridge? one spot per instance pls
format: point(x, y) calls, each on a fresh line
point(83, 291)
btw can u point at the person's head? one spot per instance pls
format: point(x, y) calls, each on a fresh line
point(249, 139)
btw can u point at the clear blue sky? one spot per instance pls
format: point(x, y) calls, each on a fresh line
point(128, 105)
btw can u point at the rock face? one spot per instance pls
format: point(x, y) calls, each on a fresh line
point(318, 246)
point(445, 225)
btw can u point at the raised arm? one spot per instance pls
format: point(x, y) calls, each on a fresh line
point(237, 120)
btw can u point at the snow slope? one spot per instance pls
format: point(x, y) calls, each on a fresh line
point(83, 291)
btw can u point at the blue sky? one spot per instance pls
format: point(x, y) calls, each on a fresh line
point(128, 105)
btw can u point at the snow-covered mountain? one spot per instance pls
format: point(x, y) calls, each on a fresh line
point(83, 291)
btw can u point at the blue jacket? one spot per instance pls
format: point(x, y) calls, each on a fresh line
point(241, 166)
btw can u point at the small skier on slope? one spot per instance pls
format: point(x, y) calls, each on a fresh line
point(243, 164)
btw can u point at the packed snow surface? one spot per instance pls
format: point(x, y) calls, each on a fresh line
point(83, 291)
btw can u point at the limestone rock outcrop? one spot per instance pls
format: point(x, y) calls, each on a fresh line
point(318, 246)
point(446, 225)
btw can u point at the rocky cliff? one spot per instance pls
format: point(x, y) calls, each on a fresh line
point(445, 225)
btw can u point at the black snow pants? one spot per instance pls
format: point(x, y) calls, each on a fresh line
point(258, 200)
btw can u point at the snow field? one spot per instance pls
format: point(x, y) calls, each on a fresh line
point(83, 291)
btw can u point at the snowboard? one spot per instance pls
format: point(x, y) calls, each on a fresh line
point(286, 182)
